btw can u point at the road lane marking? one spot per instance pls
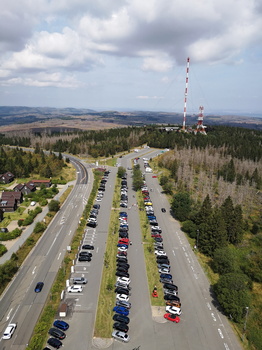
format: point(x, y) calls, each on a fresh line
point(8, 316)
point(226, 346)
point(59, 256)
point(34, 270)
point(220, 333)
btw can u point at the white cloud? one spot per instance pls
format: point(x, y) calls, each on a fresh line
point(157, 64)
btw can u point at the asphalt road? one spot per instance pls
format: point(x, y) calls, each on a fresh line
point(20, 304)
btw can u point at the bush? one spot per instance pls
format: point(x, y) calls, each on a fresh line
point(225, 261)
point(190, 228)
point(3, 249)
point(39, 227)
point(54, 206)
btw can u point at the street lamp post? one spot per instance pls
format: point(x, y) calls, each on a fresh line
point(245, 323)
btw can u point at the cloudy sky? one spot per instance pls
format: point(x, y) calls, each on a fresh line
point(131, 54)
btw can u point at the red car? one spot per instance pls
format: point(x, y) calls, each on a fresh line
point(172, 318)
point(124, 240)
point(156, 235)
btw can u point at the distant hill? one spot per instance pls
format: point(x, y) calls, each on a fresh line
point(17, 118)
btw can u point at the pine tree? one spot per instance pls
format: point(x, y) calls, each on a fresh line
point(205, 211)
point(227, 210)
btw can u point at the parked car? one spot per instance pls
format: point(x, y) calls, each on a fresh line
point(9, 331)
point(126, 304)
point(171, 297)
point(39, 286)
point(121, 336)
point(124, 280)
point(88, 246)
point(164, 270)
point(121, 310)
point(166, 275)
point(121, 290)
point(122, 274)
point(123, 327)
point(170, 286)
point(121, 318)
point(165, 280)
point(79, 280)
point(84, 258)
point(83, 253)
point(61, 325)
point(170, 291)
point(122, 297)
point(57, 333)
point(163, 210)
point(172, 318)
point(173, 303)
point(173, 310)
point(75, 289)
point(55, 343)
point(123, 264)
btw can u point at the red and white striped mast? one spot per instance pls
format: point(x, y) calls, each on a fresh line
point(200, 127)
point(185, 101)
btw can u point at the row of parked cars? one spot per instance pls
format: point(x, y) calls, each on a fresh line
point(122, 286)
point(173, 303)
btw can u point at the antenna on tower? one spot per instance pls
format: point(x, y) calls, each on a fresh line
point(185, 101)
point(200, 127)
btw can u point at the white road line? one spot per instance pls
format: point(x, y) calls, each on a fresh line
point(213, 316)
point(34, 270)
point(59, 256)
point(226, 346)
point(209, 306)
point(220, 333)
point(8, 316)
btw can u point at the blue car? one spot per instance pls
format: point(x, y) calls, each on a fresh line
point(121, 310)
point(123, 213)
point(39, 287)
point(166, 275)
point(122, 245)
point(61, 325)
point(151, 217)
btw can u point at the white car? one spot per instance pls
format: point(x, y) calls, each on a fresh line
point(160, 252)
point(122, 297)
point(170, 292)
point(122, 249)
point(98, 199)
point(9, 331)
point(164, 270)
point(75, 289)
point(121, 336)
point(173, 310)
point(125, 280)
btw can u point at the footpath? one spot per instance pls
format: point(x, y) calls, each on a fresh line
point(15, 244)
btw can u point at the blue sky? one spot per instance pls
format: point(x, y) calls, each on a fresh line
point(131, 54)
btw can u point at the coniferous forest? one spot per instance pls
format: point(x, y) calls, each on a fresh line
point(214, 182)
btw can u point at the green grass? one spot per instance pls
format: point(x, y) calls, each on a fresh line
point(107, 297)
point(150, 260)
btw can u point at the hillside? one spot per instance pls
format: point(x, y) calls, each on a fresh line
point(69, 119)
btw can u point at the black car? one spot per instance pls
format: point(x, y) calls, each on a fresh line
point(88, 246)
point(91, 224)
point(121, 269)
point(123, 229)
point(96, 206)
point(85, 254)
point(57, 333)
point(122, 274)
point(122, 258)
point(170, 286)
point(163, 261)
point(163, 210)
point(55, 343)
point(121, 318)
point(123, 264)
point(158, 239)
point(39, 286)
point(121, 290)
point(84, 258)
point(123, 234)
point(123, 327)
point(171, 297)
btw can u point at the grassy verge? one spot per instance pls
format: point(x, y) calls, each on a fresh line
point(107, 297)
point(151, 264)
